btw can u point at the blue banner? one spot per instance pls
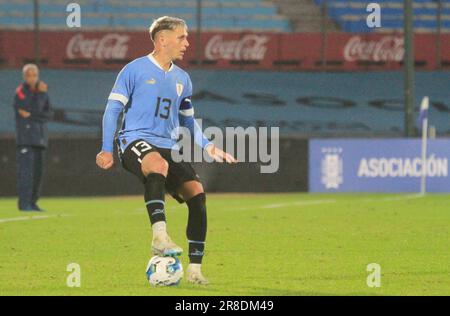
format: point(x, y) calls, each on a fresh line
point(377, 165)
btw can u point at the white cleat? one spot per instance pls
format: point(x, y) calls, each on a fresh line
point(195, 276)
point(165, 247)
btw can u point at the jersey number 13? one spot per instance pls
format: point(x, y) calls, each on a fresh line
point(163, 108)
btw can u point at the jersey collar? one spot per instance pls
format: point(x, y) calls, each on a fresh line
point(153, 60)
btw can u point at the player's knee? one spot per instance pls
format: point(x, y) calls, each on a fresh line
point(154, 164)
point(160, 166)
point(196, 189)
point(191, 189)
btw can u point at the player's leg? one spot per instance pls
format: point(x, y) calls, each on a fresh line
point(184, 184)
point(155, 169)
point(194, 195)
point(143, 160)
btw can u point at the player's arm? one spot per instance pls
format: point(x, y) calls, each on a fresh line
point(45, 114)
point(105, 159)
point(200, 139)
point(22, 103)
point(186, 118)
point(117, 99)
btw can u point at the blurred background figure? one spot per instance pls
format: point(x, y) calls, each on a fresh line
point(32, 108)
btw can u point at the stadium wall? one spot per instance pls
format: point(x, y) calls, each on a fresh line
point(301, 104)
point(245, 50)
point(306, 104)
point(317, 165)
point(71, 171)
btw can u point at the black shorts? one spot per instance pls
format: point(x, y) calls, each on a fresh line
point(179, 172)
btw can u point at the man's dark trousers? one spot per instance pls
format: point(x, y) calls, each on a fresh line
point(30, 167)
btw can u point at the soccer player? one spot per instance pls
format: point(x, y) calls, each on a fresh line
point(155, 97)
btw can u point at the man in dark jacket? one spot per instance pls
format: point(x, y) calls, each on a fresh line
point(32, 108)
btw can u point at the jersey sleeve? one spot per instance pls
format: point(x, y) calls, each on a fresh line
point(123, 87)
point(186, 115)
point(112, 113)
point(186, 107)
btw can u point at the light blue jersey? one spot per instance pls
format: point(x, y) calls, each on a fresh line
point(153, 100)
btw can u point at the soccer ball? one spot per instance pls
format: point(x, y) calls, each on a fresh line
point(164, 271)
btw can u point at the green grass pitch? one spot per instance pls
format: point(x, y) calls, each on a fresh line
point(258, 244)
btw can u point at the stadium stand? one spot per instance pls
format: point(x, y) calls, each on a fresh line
point(218, 15)
point(351, 15)
point(231, 15)
point(224, 99)
point(306, 15)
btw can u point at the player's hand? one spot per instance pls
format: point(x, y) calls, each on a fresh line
point(24, 114)
point(42, 86)
point(219, 155)
point(105, 160)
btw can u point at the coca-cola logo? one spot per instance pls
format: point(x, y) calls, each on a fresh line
point(110, 46)
point(249, 47)
point(387, 48)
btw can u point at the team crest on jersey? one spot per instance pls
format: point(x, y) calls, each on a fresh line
point(180, 88)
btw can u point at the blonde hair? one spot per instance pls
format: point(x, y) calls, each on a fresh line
point(28, 67)
point(165, 23)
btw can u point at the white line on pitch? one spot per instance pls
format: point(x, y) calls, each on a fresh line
point(299, 203)
point(29, 218)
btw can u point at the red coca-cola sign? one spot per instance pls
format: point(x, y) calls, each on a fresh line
point(248, 47)
point(386, 48)
point(108, 46)
point(252, 51)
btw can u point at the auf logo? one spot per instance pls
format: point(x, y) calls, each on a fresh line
point(332, 168)
point(374, 18)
